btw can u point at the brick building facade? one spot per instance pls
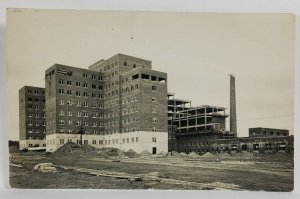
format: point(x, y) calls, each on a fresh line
point(120, 102)
point(32, 124)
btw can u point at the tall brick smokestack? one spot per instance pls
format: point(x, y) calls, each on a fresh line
point(233, 127)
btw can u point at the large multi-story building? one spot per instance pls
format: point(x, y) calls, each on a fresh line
point(32, 116)
point(120, 102)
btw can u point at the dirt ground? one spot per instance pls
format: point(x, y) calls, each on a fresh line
point(255, 176)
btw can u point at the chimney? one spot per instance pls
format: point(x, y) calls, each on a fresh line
point(233, 127)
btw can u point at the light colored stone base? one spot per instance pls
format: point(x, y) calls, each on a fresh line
point(25, 144)
point(137, 141)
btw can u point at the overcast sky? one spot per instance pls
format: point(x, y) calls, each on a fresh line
point(197, 50)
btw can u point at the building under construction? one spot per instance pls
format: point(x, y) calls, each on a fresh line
point(194, 125)
point(202, 129)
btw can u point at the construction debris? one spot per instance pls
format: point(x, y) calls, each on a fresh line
point(131, 154)
point(45, 168)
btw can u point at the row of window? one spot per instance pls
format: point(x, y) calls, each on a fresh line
point(36, 107)
point(101, 142)
point(271, 133)
point(149, 77)
point(78, 84)
point(36, 115)
point(36, 92)
point(30, 99)
point(30, 130)
point(36, 123)
point(80, 103)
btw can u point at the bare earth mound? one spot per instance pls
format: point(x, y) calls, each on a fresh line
point(208, 155)
point(193, 155)
point(145, 153)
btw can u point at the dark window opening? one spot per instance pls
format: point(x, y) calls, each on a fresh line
point(162, 80)
point(144, 76)
point(135, 76)
point(153, 78)
point(153, 150)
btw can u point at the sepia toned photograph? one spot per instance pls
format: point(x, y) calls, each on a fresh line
point(150, 100)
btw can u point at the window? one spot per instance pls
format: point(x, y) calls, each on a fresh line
point(62, 112)
point(85, 123)
point(61, 102)
point(154, 110)
point(154, 88)
point(154, 120)
point(29, 99)
point(93, 86)
point(94, 142)
point(69, 92)
point(153, 99)
point(85, 85)
point(36, 107)
point(136, 139)
point(69, 113)
point(29, 91)
point(36, 92)
point(61, 122)
point(69, 83)
point(61, 141)
point(85, 114)
point(278, 133)
point(61, 91)
point(70, 122)
point(85, 94)
point(154, 139)
point(85, 104)
point(100, 87)
point(85, 75)
point(154, 129)
point(61, 82)
point(78, 93)
point(125, 64)
point(93, 77)
point(77, 83)
point(78, 114)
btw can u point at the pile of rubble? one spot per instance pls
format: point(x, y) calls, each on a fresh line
point(45, 168)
